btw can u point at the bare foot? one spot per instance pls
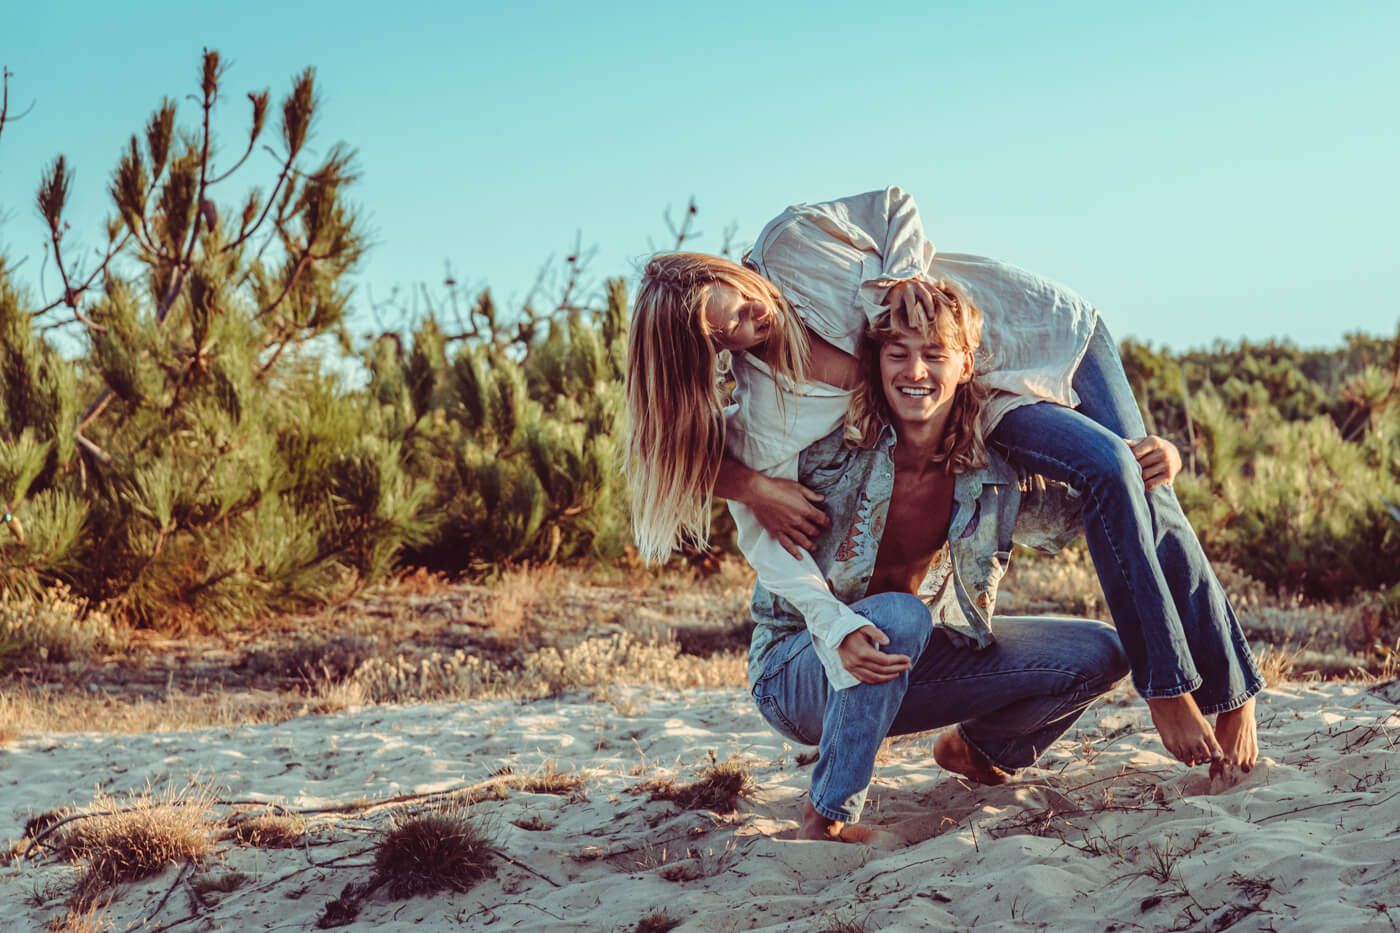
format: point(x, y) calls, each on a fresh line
point(1183, 730)
point(953, 754)
point(821, 829)
point(1238, 736)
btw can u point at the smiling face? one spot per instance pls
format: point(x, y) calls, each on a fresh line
point(920, 377)
point(734, 322)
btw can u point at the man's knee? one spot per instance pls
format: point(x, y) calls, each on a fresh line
point(1103, 654)
point(903, 618)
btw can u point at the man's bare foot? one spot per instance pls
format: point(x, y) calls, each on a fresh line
point(953, 754)
point(1238, 735)
point(1183, 730)
point(822, 829)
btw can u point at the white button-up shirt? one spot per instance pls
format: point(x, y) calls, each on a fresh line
point(834, 261)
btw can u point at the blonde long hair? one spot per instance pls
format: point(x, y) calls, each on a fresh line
point(674, 401)
point(956, 323)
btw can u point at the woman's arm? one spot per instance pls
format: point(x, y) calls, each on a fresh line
point(785, 508)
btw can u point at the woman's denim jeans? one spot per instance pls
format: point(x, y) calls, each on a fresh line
point(1175, 621)
point(1011, 700)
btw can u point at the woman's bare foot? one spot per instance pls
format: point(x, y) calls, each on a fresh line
point(1238, 735)
point(819, 828)
point(953, 754)
point(1183, 730)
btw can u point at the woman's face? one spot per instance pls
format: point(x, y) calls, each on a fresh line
point(734, 322)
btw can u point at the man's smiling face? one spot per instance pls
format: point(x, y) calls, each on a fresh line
point(919, 377)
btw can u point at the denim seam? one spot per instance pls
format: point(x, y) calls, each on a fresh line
point(1149, 693)
point(983, 752)
point(1234, 702)
point(1076, 674)
point(1166, 693)
point(817, 792)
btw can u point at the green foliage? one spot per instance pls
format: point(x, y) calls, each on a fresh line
point(1294, 456)
point(196, 463)
point(518, 435)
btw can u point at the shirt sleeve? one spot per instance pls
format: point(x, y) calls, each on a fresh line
point(1050, 515)
point(835, 260)
point(800, 582)
point(891, 220)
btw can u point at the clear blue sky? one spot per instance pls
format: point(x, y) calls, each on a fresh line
point(1198, 170)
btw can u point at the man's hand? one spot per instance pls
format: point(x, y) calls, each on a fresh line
point(1158, 457)
point(788, 511)
point(861, 655)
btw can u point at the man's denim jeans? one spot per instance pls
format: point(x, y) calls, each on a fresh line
point(1175, 621)
point(1011, 700)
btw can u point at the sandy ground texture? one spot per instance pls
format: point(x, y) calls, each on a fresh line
point(1106, 833)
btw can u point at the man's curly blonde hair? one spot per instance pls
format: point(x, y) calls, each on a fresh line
point(955, 323)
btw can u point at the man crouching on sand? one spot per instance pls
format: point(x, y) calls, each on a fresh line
point(896, 633)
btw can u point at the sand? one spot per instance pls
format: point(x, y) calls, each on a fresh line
point(1107, 833)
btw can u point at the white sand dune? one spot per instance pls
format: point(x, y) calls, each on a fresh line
point(1107, 834)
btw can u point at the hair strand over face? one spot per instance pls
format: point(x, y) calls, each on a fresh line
point(674, 403)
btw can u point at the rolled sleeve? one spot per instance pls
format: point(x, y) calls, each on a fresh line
point(800, 582)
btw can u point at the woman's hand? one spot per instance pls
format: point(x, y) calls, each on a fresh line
point(1159, 459)
point(861, 655)
point(788, 511)
point(911, 292)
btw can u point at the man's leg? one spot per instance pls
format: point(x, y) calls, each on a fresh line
point(796, 698)
point(1023, 692)
point(1015, 698)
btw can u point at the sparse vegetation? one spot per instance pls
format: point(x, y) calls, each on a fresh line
point(658, 921)
point(718, 788)
point(121, 840)
point(268, 830)
point(437, 850)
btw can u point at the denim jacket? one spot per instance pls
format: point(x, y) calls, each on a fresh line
point(991, 504)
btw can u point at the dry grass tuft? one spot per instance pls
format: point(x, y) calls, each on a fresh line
point(1275, 665)
point(119, 841)
point(219, 882)
point(658, 921)
point(509, 618)
point(549, 780)
point(535, 823)
point(90, 920)
point(434, 851)
point(836, 924)
point(268, 830)
point(57, 626)
point(718, 788)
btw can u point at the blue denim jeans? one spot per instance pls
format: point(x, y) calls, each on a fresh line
point(1175, 621)
point(1011, 700)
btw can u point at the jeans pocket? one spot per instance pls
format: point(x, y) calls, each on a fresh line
point(770, 687)
point(772, 713)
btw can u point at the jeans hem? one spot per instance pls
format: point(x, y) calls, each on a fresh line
point(1235, 702)
point(991, 759)
point(834, 814)
point(1166, 693)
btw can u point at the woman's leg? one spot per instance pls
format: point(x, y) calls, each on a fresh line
point(1218, 644)
point(1170, 610)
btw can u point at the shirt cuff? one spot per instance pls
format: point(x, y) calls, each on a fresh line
point(827, 635)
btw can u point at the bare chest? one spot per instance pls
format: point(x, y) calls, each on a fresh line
point(915, 528)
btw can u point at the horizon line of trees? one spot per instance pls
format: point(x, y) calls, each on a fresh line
point(195, 465)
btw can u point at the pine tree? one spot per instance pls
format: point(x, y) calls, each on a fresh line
point(214, 470)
